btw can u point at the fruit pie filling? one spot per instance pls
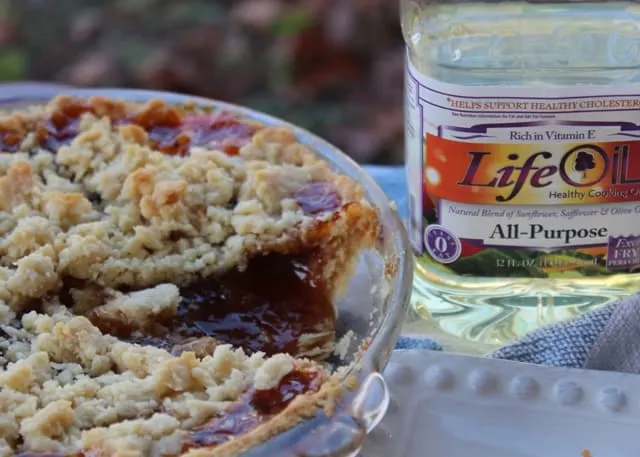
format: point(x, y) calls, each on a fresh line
point(154, 301)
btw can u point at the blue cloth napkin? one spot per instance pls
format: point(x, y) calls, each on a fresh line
point(605, 339)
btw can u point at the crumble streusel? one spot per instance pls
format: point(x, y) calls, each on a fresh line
point(167, 278)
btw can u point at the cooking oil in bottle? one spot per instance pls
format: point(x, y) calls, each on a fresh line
point(522, 160)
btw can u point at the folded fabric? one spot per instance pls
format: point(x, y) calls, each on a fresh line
point(617, 348)
point(605, 339)
point(568, 344)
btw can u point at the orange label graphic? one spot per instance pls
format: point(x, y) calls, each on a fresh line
point(532, 174)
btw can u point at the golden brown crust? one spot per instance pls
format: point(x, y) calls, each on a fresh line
point(110, 210)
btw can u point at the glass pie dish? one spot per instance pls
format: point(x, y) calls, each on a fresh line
point(368, 313)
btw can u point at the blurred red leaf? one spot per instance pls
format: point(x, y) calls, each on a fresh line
point(317, 63)
point(91, 70)
point(7, 32)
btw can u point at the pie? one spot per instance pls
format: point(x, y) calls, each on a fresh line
point(168, 275)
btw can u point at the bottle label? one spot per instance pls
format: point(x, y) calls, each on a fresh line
point(524, 181)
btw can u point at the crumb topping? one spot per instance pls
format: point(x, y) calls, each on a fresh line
point(110, 212)
point(65, 386)
point(107, 207)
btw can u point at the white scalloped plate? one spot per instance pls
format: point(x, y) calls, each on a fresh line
point(448, 405)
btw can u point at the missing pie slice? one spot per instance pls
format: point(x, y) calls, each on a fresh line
point(167, 279)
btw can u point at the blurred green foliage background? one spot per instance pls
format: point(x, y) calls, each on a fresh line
point(333, 66)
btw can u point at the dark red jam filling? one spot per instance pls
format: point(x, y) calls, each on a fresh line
point(318, 197)
point(254, 408)
point(223, 131)
point(10, 141)
point(61, 127)
point(168, 129)
point(267, 307)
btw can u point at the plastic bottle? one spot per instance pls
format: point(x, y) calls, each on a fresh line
point(522, 160)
